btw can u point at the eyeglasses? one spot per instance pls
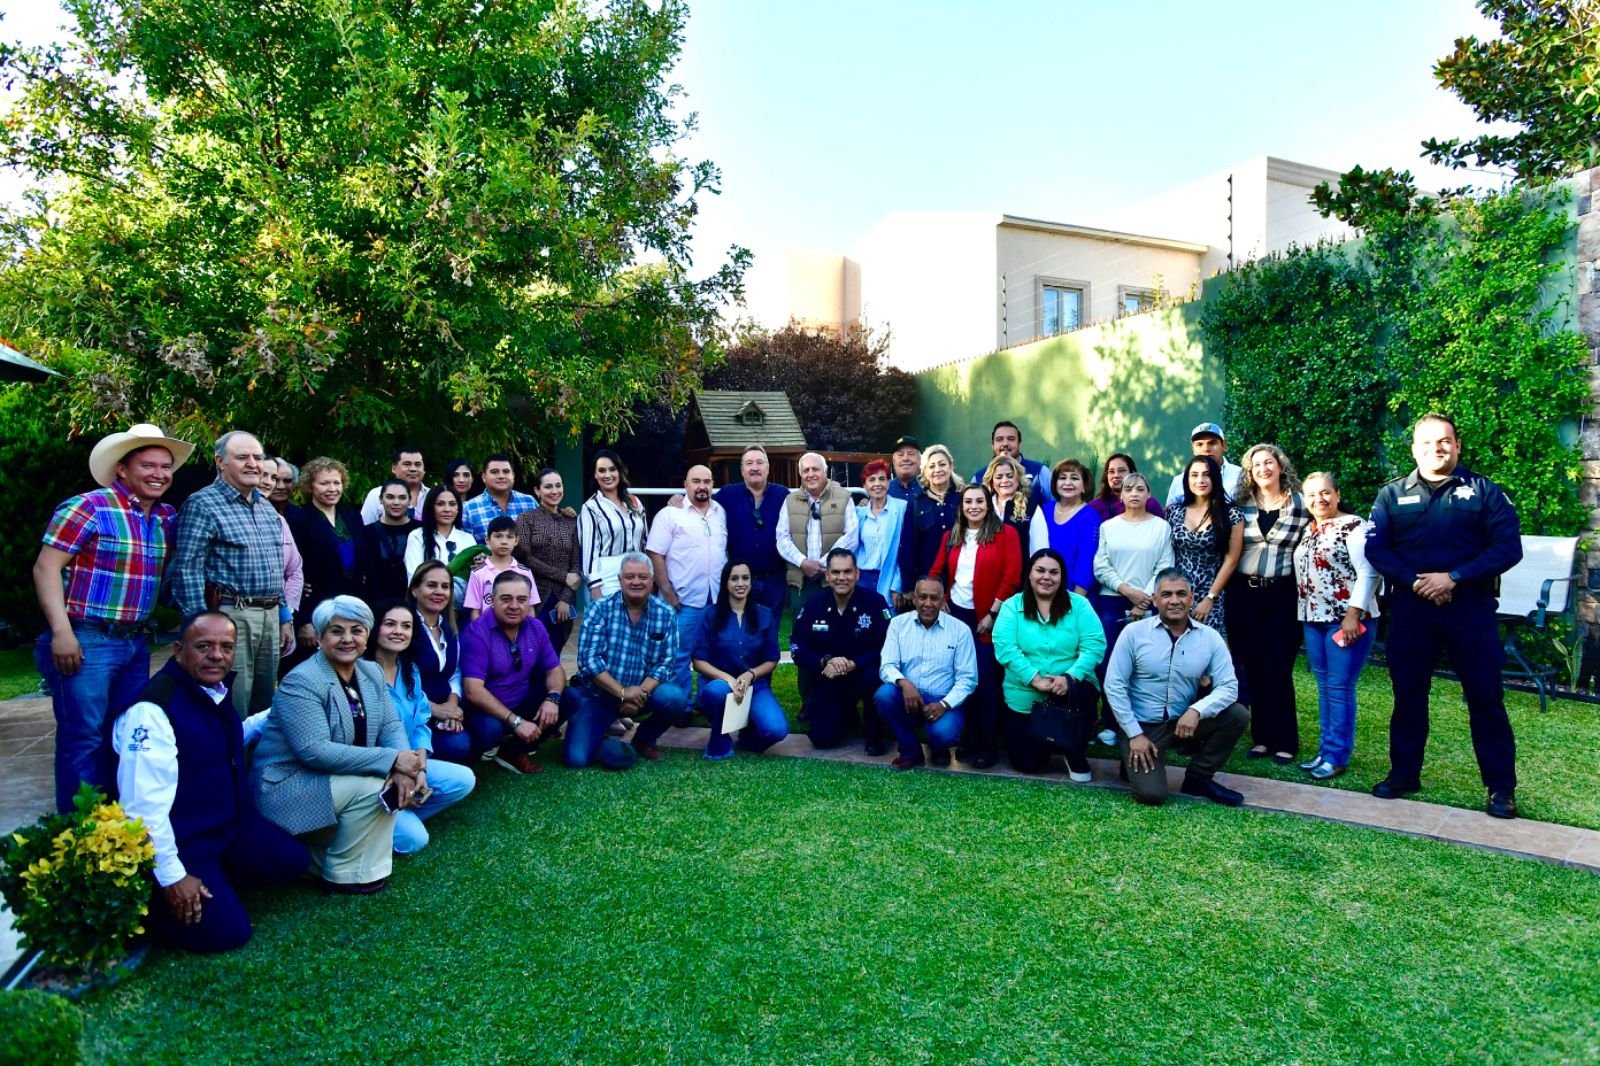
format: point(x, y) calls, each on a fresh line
point(816, 511)
point(760, 522)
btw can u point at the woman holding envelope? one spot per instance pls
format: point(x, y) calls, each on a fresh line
point(735, 656)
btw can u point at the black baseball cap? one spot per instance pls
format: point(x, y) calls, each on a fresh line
point(907, 442)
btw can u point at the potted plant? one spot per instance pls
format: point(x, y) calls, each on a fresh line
point(78, 886)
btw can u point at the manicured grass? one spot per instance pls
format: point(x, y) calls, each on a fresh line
point(18, 675)
point(1559, 780)
point(785, 910)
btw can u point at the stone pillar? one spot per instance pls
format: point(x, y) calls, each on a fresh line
point(1588, 195)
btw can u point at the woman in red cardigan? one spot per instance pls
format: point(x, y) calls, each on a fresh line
point(981, 567)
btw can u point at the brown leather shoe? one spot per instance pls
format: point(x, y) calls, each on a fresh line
point(648, 751)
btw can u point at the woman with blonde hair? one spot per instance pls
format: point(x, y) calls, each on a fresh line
point(1264, 604)
point(930, 515)
point(1010, 491)
point(327, 531)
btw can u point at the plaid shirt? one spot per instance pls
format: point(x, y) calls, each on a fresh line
point(611, 643)
point(481, 510)
point(1272, 554)
point(117, 553)
point(229, 539)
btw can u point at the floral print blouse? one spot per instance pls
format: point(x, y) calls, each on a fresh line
point(1332, 572)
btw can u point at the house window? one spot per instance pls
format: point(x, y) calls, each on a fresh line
point(1136, 300)
point(750, 415)
point(1063, 310)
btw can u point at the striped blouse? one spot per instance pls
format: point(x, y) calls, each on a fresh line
point(1271, 553)
point(606, 532)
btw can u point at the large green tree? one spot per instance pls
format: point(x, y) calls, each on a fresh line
point(462, 222)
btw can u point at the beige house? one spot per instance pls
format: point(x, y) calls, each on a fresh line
point(955, 286)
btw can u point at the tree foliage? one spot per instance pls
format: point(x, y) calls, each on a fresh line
point(845, 396)
point(1334, 351)
point(1543, 73)
point(340, 223)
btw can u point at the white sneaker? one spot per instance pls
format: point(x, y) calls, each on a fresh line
point(1108, 738)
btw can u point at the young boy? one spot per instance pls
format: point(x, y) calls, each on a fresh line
point(501, 539)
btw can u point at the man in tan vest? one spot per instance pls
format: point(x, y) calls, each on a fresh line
point(813, 522)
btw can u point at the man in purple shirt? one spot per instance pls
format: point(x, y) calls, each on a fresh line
point(512, 677)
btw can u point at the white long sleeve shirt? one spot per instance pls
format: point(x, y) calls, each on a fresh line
point(850, 539)
point(147, 777)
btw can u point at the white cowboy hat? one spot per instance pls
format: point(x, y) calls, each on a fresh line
point(113, 449)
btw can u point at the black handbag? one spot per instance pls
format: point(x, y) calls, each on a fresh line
point(1062, 721)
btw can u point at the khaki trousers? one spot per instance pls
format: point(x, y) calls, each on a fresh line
point(1215, 738)
point(255, 658)
point(359, 847)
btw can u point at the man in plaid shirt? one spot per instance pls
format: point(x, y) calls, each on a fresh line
point(229, 558)
point(96, 577)
point(626, 653)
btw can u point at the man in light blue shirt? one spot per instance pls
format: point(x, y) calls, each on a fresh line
point(929, 667)
point(1156, 681)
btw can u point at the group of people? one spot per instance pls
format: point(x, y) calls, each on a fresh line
point(372, 657)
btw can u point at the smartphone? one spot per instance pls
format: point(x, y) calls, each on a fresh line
point(1339, 638)
point(389, 798)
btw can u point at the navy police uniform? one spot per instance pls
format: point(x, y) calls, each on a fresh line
point(821, 632)
point(1467, 528)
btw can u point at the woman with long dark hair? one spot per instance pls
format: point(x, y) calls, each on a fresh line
point(440, 536)
point(610, 525)
point(460, 478)
point(1049, 642)
point(393, 647)
point(981, 567)
point(1207, 537)
point(735, 654)
point(1107, 502)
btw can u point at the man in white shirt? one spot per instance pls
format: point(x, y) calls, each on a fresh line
point(688, 547)
point(929, 667)
point(1207, 439)
point(813, 522)
point(407, 467)
point(198, 809)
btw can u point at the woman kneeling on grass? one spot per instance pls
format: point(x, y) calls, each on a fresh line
point(333, 765)
point(1337, 590)
point(736, 653)
point(1049, 641)
point(394, 649)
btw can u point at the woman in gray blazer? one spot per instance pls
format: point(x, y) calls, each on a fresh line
point(332, 749)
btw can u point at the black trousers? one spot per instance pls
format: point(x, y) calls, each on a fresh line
point(1264, 631)
point(1465, 632)
point(831, 704)
point(257, 854)
point(1029, 754)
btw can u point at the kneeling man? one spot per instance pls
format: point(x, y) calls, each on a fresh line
point(181, 762)
point(1153, 683)
point(627, 656)
point(929, 667)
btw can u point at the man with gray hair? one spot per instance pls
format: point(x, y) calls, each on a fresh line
point(813, 522)
point(229, 558)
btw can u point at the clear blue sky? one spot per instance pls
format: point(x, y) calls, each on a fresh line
point(825, 115)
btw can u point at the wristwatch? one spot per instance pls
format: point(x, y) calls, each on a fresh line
point(553, 697)
point(1455, 575)
point(514, 721)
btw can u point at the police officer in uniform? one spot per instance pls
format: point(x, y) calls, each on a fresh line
point(1442, 536)
point(838, 641)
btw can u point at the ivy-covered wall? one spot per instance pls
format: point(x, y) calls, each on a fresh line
point(1333, 352)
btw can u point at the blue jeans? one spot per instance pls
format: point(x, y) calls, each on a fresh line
point(767, 726)
point(772, 592)
point(591, 713)
point(1337, 670)
point(113, 673)
point(942, 734)
point(450, 783)
point(690, 620)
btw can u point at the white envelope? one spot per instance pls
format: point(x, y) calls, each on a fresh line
point(736, 713)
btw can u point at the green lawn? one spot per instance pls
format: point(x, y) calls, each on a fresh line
point(1557, 783)
point(18, 676)
point(786, 910)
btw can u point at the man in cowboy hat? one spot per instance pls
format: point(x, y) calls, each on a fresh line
point(96, 577)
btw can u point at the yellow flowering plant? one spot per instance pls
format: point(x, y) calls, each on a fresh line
point(78, 883)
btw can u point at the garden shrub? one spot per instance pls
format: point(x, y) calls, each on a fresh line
point(38, 1029)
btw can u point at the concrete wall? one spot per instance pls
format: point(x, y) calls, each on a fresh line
point(1030, 257)
point(1138, 384)
point(824, 290)
point(931, 279)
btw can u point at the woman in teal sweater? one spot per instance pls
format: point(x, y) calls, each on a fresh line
point(1049, 640)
